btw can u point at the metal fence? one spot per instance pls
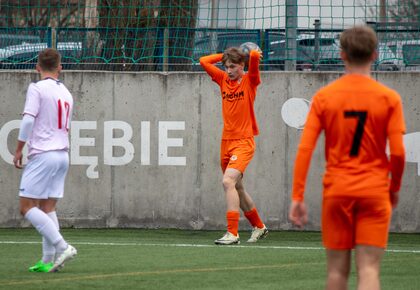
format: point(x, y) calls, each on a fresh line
point(155, 35)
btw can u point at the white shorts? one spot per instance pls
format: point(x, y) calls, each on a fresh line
point(44, 175)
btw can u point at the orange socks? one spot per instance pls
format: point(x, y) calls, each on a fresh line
point(232, 218)
point(254, 218)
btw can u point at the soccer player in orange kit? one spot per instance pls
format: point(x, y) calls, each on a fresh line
point(358, 115)
point(238, 90)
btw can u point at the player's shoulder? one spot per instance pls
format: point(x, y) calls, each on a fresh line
point(392, 94)
point(33, 87)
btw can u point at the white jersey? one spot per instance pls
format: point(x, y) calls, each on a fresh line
point(51, 104)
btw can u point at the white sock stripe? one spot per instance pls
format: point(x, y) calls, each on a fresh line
point(415, 251)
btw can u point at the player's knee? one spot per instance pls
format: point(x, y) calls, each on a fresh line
point(338, 274)
point(24, 210)
point(228, 182)
point(240, 188)
point(368, 271)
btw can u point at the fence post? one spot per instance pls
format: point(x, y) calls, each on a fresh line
point(51, 37)
point(317, 25)
point(165, 49)
point(214, 24)
point(291, 34)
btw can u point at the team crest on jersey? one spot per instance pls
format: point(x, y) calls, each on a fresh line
point(233, 157)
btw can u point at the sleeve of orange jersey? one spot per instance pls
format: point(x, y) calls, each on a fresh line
point(254, 68)
point(396, 129)
point(306, 146)
point(207, 62)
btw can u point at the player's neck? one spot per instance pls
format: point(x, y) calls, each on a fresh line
point(359, 69)
point(49, 75)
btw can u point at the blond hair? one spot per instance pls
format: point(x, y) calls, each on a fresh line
point(234, 55)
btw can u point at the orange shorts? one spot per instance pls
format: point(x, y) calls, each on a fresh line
point(237, 153)
point(347, 222)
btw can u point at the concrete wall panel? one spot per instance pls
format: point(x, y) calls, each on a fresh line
point(145, 150)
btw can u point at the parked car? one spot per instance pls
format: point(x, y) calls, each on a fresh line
point(326, 58)
point(24, 56)
point(307, 58)
point(8, 39)
point(219, 41)
point(407, 53)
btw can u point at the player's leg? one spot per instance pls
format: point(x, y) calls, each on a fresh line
point(45, 226)
point(232, 199)
point(56, 191)
point(230, 178)
point(245, 200)
point(338, 238)
point(338, 269)
point(37, 183)
point(259, 230)
point(243, 151)
point(368, 261)
point(48, 249)
point(373, 219)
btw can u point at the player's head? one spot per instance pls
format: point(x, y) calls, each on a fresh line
point(234, 61)
point(358, 45)
point(49, 60)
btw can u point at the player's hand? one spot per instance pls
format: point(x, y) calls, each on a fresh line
point(298, 214)
point(260, 53)
point(394, 197)
point(17, 160)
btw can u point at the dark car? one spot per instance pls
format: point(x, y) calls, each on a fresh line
point(307, 58)
point(326, 58)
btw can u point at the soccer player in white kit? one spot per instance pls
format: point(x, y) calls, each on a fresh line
point(44, 128)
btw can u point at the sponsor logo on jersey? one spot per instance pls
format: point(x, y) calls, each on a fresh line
point(232, 97)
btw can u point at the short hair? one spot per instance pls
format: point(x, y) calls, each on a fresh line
point(234, 55)
point(49, 59)
point(359, 43)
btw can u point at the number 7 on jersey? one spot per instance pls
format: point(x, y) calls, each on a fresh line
point(357, 139)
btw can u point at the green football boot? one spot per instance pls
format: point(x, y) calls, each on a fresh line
point(41, 267)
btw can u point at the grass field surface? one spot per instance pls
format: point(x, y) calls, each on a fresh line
point(175, 259)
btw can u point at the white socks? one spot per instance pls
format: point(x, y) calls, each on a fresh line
point(47, 228)
point(48, 249)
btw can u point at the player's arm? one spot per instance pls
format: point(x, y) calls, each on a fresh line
point(208, 63)
point(396, 130)
point(254, 67)
point(298, 213)
point(25, 130)
point(397, 161)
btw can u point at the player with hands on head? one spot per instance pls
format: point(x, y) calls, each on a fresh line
point(44, 128)
point(358, 115)
point(238, 91)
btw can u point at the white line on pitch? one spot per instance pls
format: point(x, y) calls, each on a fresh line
point(197, 246)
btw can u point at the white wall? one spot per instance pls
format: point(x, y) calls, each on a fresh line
point(263, 14)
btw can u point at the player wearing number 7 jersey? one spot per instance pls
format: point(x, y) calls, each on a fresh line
point(44, 128)
point(358, 115)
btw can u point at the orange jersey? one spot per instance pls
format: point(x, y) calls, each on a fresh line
point(237, 98)
point(358, 115)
